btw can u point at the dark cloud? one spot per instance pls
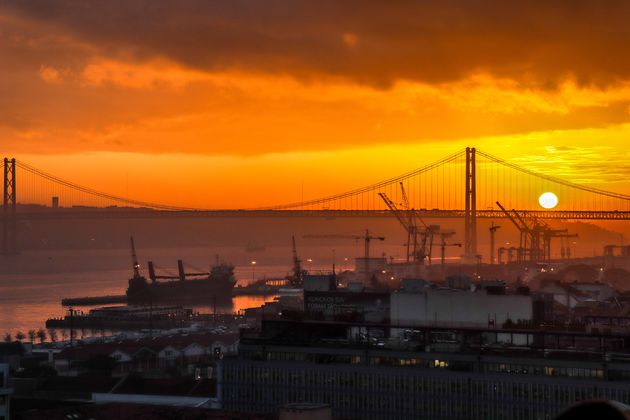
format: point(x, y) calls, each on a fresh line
point(537, 43)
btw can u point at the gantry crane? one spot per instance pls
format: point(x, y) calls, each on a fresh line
point(537, 232)
point(408, 218)
point(523, 229)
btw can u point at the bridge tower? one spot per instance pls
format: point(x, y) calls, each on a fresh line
point(9, 206)
point(470, 216)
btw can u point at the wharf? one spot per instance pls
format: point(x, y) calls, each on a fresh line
point(143, 322)
point(255, 291)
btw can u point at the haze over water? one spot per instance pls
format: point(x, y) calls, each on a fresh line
point(27, 300)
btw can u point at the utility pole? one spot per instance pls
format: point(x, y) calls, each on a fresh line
point(9, 209)
point(493, 229)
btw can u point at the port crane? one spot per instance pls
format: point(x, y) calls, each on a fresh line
point(408, 219)
point(535, 236)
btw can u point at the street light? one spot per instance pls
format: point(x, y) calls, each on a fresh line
point(253, 271)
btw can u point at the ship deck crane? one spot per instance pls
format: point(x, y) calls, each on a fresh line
point(181, 274)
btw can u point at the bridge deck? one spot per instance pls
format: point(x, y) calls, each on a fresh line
point(130, 213)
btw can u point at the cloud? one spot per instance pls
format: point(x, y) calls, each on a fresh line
point(50, 74)
point(249, 78)
point(536, 43)
point(155, 74)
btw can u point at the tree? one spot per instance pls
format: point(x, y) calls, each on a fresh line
point(8, 338)
point(52, 333)
point(31, 335)
point(41, 334)
point(20, 336)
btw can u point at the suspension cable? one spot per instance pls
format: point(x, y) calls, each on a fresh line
point(97, 193)
point(553, 178)
point(366, 188)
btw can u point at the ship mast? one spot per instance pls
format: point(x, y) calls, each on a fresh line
point(134, 260)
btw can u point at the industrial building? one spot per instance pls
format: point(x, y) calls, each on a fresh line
point(458, 307)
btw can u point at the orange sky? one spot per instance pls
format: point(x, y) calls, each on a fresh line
point(249, 102)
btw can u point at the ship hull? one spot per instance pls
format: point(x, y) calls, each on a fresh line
point(192, 291)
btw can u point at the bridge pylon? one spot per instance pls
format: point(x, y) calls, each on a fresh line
point(9, 209)
point(470, 214)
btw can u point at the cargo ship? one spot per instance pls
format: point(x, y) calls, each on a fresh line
point(199, 287)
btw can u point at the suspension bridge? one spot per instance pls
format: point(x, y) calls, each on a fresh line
point(467, 184)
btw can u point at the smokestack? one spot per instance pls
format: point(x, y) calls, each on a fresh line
point(180, 267)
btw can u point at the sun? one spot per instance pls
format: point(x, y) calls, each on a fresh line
point(548, 200)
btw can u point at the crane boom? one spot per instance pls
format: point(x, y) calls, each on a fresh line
point(397, 212)
point(404, 196)
point(509, 216)
point(413, 215)
point(134, 260)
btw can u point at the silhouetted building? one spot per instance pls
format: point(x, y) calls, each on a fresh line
point(5, 391)
point(364, 372)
